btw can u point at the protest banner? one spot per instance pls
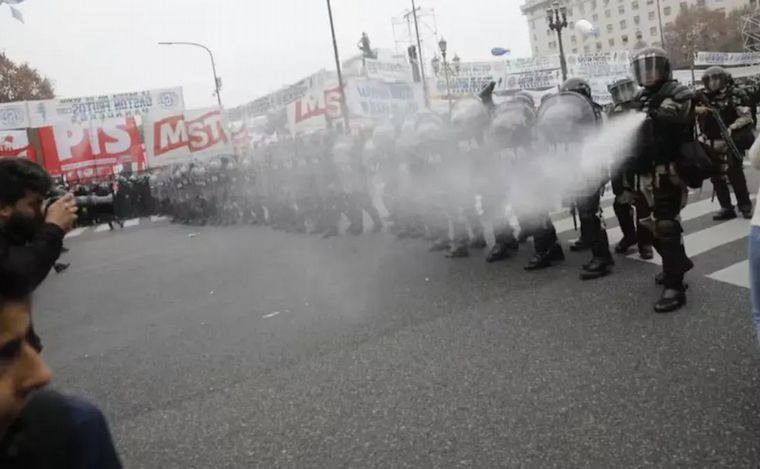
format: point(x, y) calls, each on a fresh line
point(179, 138)
point(531, 64)
point(377, 99)
point(726, 58)
point(319, 104)
point(14, 116)
point(70, 147)
point(15, 144)
point(51, 112)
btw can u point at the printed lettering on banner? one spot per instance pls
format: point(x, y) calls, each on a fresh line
point(179, 138)
point(373, 99)
point(15, 144)
point(531, 64)
point(14, 115)
point(535, 80)
point(320, 104)
point(727, 58)
point(390, 71)
point(100, 108)
point(69, 147)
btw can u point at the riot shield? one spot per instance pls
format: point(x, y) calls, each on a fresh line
point(566, 117)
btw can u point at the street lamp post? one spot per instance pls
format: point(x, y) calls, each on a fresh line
point(556, 18)
point(443, 46)
point(217, 80)
point(420, 59)
point(343, 105)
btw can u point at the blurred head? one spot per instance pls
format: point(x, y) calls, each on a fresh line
point(22, 370)
point(577, 85)
point(716, 78)
point(622, 90)
point(651, 67)
point(23, 187)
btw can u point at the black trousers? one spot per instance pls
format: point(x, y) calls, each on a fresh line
point(666, 230)
point(732, 171)
point(627, 198)
point(592, 227)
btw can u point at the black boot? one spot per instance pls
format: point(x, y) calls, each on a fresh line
point(671, 300)
point(746, 211)
point(625, 245)
point(598, 267)
point(646, 252)
point(458, 251)
point(580, 245)
point(725, 214)
point(330, 233)
point(439, 244)
point(60, 267)
point(501, 251)
point(478, 242)
point(546, 259)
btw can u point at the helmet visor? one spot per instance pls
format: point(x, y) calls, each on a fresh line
point(650, 70)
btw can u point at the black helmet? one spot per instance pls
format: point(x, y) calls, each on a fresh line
point(716, 78)
point(579, 85)
point(525, 96)
point(622, 90)
point(651, 66)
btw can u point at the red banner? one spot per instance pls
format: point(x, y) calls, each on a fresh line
point(95, 146)
point(15, 144)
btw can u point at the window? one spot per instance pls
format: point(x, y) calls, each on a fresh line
point(573, 39)
point(586, 49)
point(700, 3)
point(624, 38)
point(571, 25)
point(651, 16)
point(607, 13)
point(666, 10)
point(532, 24)
point(621, 10)
point(598, 46)
point(548, 32)
point(535, 51)
point(593, 4)
point(682, 6)
point(650, 2)
point(611, 42)
point(569, 11)
point(635, 4)
point(595, 17)
point(653, 31)
point(581, 8)
point(535, 39)
point(609, 28)
point(575, 50)
point(622, 24)
point(636, 19)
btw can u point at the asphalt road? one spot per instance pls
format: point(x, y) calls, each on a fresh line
point(245, 347)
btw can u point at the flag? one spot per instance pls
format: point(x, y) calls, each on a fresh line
point(17, 14)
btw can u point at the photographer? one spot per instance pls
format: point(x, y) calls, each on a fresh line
point(30, 241)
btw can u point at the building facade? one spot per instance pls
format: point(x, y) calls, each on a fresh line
point(622, 24)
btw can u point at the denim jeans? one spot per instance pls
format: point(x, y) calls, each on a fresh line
point(754, 275)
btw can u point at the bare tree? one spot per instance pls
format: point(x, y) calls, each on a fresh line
point(22, 82)
point(701, 29)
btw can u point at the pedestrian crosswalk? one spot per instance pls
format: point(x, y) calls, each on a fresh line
point(102, 228)
point(696, 243)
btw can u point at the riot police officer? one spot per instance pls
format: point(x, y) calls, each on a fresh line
point(722, 101)
point(593, 230)
point(669, 124)
point(624, 181)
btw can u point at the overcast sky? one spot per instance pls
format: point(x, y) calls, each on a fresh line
point(90, 47)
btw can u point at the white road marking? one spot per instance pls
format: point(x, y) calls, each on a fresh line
point(101, 228)
point(737, 274)
point(132, 222)
point(271, 315)
point(76, 232)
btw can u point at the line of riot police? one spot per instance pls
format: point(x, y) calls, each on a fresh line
point(493, 166)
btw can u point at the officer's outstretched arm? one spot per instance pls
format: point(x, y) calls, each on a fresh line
point(671, 111)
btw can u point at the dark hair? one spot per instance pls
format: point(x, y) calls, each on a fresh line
point(17, 176)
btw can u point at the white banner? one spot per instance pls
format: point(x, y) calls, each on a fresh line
point(388, 71)
point(320, 103)
point(98, 108)
point(14, 116)
point(376, 99)
point(535, 80)
point(727, 58)
point(531, 64)
point(195, 134)
point(15, 144)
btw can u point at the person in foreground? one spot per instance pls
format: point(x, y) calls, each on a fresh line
point(754, 247)
point(39, 428)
